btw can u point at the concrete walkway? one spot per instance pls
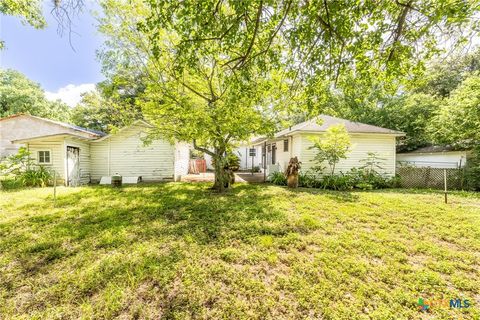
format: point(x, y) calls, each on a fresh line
point(239, 177)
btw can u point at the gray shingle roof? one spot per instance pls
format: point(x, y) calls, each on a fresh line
point(323, 122)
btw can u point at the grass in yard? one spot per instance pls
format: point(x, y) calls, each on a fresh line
point(178, 251)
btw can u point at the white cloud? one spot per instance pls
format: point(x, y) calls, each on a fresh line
point(70, 94)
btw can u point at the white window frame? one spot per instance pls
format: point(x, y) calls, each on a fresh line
point(252, 152)
point(49, 156)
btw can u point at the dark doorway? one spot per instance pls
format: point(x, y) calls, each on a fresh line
point(274, 153)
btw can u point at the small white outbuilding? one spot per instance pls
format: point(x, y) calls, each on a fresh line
point(434, 157)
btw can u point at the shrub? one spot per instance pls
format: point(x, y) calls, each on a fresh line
point(308, 180)
point(255, 169)
point(37, 177)
point(277, 178)
point(338, 182)
point(19, 171)
point(472, 171)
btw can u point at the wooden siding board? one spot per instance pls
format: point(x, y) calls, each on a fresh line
point(130, 157)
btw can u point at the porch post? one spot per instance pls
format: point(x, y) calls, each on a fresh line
point(264, 155)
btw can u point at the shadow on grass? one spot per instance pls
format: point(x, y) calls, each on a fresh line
point(340, 196)
point(104, 218)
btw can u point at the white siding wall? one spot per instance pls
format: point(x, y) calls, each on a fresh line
point(56, 148)
point(127, 156)
point(85, 159)
point(246, 160)
point(383, 145)
point(182, 159)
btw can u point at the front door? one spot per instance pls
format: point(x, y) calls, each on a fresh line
point(73, 166)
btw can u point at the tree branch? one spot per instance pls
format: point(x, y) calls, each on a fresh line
point(202, 149)
point(400, 26)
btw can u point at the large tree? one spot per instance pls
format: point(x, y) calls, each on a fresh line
point(217, 69)
point(18, 94)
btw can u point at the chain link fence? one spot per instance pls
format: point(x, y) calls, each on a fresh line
point(427, 177)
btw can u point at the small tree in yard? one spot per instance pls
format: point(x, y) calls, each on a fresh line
point(372, 163)
point(333, 147)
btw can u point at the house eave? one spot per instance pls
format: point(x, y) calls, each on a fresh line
point(59, 135)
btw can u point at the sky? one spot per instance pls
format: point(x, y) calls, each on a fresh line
point(47, 58)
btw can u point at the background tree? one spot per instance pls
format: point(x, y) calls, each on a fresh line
point(18, 94)
point(112, 105)
point(458, 120)
point(332, 147)
point(446, 74)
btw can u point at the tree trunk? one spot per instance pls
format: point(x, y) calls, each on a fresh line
point(222, 180)
point(223, 177)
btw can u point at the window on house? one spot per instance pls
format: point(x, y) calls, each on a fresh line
point(44, 157)
point(285, 145)
point(252, 152)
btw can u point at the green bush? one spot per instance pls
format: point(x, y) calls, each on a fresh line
point(277, 178)
point(255, 169)
point(356, 178)
point(36, 177)
point(338, 182)
point(472, 171)
point(18, 171)
point(308, 180)
point(11, 184)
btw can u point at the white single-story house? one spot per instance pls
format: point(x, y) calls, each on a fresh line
point(273, 154)
point(79, 155)
point(434, 157)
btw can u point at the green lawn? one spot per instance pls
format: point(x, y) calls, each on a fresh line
point(179, 251)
